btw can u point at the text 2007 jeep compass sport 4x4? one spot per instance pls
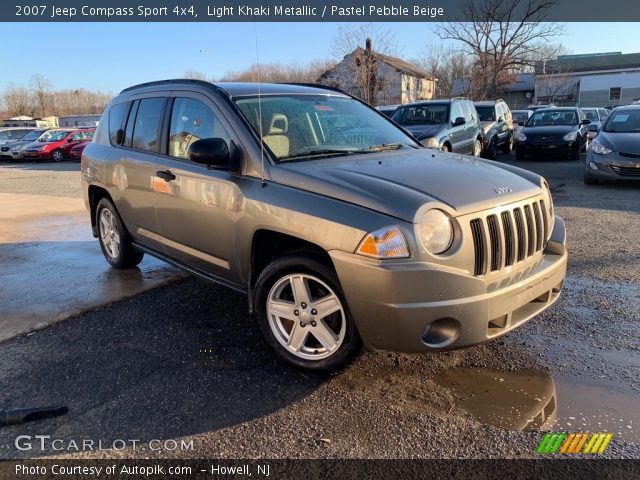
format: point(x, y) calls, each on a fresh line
point(340, 227)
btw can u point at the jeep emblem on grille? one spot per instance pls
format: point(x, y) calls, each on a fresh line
point(501, 190)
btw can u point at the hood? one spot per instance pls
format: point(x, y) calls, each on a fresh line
point(549, 130)
point(620, 142)
point(398, 183)
point(426, 131)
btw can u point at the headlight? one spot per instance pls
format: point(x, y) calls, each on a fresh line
point(15, 148)
point(600, 149)
point(522, 137)
point(548, 200)
point(430, 142)
point(435, 231)
point(571, 136)
point(387, 242)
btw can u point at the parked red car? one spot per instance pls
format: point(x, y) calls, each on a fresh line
point(57, 144)
point(76, 151)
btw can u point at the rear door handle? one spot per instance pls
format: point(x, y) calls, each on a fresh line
point(166, 175)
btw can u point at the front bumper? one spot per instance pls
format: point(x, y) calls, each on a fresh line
point(612, 166)
point(561, 147)
point(418, 307)
point(36, 155)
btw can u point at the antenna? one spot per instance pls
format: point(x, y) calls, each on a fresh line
point(255, 25)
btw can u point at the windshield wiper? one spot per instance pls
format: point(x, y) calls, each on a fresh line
point(317, 153)
point(382, 147)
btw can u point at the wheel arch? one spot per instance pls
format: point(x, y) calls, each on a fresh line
point(96, 193)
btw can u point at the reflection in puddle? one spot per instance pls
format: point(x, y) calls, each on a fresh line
point(521, 400)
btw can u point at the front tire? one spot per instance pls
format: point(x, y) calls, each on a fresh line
point(508, 146)
point(477, 148)
point(114, 239)
point(57, 155)
point(492, 149)
point(303, 314)
point(575, 152)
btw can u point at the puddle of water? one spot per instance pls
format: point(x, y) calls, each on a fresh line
point(525, 400)
point(522, 400)
point(591, 407)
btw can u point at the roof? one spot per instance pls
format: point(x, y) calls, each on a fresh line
point(524, 82)
point(395, 62)
point(589, 62)
point(239, 89)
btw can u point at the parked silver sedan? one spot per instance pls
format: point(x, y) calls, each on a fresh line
point(14, 150)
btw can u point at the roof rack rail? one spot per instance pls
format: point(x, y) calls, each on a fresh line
point(315, 85)
point(459, 98)
point(167, 82)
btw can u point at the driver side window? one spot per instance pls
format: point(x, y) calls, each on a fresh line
point(192, 120)
point(456, 111)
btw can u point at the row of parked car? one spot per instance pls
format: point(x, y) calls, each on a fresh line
point(488, 127)
point(43, 144)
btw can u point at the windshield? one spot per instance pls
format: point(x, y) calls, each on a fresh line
point(552, 117)
point(591, 114)
point(301, 127)
point(31, 136)
point(486, 113)
point(54, 136)
point(520, 117)
point(626, 121)
point(434, 113)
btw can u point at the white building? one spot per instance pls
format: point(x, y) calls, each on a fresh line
point(591, 80)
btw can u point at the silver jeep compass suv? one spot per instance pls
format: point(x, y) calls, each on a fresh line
point(339, 226)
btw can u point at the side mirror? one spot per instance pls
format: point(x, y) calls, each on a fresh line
point(212, 152)
point(586, 121)
point(592, 127)
point(459, 121)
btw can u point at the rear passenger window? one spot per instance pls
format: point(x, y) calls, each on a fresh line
point(128, 134)
point(146, 130)
point(192, 120)
point(456, 111)
point(117, 115)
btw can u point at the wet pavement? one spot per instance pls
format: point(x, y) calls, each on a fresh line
point(52, 267)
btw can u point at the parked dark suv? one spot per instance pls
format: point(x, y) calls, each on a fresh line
point(447, 125)
point(337, 224)
point(497, 127)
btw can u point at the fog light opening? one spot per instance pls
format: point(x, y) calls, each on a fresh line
point(593, 166)
point(441, 333)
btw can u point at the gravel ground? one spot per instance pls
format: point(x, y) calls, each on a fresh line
point(186, 362)
point(56, 179)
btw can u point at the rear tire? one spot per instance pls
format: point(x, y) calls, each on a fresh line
point(288, 292)
point(114, 238)
point(445, 148)
point(575, 152)
point(477, 148)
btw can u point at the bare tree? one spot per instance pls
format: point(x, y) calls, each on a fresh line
point(349, 38)
point(194, 74)
point(446, 65)
point(499, 44)
point(277, 72)
point(17, 100)
point(42, 92)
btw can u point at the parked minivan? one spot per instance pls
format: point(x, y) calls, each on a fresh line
point(447, 125)
point(338, 226)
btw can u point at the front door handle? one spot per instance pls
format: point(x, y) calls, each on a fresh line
point(166, 175)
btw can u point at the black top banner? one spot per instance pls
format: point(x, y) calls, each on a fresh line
point(299, 11)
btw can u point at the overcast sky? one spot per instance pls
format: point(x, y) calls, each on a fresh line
point(111, 56)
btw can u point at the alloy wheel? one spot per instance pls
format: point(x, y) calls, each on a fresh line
point(306, 316)
point(109, 233)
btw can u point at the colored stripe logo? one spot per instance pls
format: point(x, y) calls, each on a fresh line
point(573, 443)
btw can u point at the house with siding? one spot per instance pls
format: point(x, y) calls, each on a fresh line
point(589, 80)
point(379, 79)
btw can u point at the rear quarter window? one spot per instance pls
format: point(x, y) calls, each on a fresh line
point(117, 115)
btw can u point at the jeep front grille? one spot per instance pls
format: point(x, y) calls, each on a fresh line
point(514, 235)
